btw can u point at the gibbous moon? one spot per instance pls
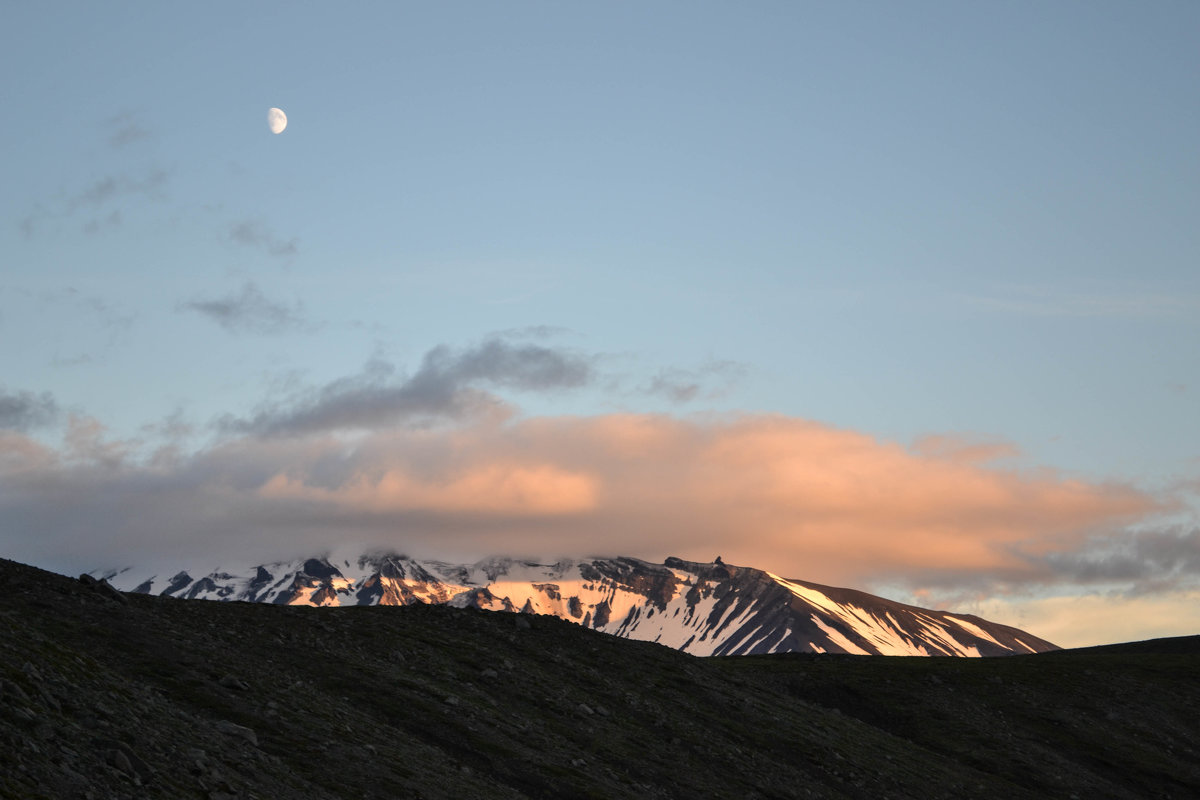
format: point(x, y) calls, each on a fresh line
point(276, 120)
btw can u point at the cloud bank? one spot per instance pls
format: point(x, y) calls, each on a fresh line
point(796, 497)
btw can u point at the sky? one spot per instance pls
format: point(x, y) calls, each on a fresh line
point(901, 297)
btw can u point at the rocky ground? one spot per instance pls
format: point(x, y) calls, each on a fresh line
point(105, 695)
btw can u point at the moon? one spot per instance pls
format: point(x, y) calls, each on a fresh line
point(276, 120)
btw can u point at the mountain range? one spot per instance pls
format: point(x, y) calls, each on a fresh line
point(706, 609)
point(107, 695)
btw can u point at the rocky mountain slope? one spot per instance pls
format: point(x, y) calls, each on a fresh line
point(106, 696)
point(699, 608)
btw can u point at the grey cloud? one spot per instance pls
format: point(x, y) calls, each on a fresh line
point(111, 220)
point(95, 200)
point(125, 130)
point(1145, 562)
point(678, 387)
point(23, 411)
point(1124, 562)
point(109, 187)
point(254, 233)
point(250, 311)
point(683, 385)
point(444, 386)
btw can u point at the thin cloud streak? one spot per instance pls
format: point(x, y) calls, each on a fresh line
point(255, 233)
point(125, 130)
point(98, 198)
point(250, 311)
point(110, 187)
point(681, 386)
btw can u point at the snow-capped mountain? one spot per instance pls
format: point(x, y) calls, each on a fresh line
point(699, 608)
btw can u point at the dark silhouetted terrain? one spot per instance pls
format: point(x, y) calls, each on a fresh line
point(107, 695)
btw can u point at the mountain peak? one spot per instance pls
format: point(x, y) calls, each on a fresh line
point(702, 608)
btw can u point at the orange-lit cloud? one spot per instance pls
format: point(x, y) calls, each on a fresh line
point(502, 489)
point(797, 497)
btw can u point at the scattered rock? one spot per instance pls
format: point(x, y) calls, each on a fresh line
point(118, 759)
point(230, 682)
point(233, 729)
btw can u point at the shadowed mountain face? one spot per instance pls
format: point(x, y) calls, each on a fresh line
point(109, 695)
point(699, 608)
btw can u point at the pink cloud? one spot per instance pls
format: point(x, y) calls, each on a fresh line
point(793, 496)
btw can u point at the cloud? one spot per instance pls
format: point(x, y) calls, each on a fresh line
point(125, 130)
point(100, 192)
point(962, 449)
point(1142, 562)
point(250, 311)
point(445, 386)
point(96, 200)
point(254, 233)
point(23, 411)
point(799, 498)
point(112, 220)
point(683, 385)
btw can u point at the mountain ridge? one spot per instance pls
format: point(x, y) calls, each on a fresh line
point(113, 696)
point(701, 608)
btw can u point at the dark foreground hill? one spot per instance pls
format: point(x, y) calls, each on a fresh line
point(105, 695)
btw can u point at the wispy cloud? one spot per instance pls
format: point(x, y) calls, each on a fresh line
point(95, 201)
point(149, 183)
point(680, 386)
point(250, 311)
point(446, 386)
point(255, 233)
point(124, 130)
point(24, 410)
point(963, 449)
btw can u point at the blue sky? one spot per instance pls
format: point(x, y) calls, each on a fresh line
point(967, 220)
